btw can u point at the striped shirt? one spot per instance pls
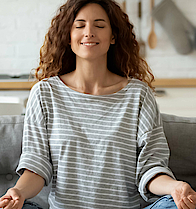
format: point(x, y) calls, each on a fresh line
point(99, 151)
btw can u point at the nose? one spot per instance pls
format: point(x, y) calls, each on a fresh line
point(89, 32)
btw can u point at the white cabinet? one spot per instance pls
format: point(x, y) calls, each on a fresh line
point(13, 102)
point(177, 101)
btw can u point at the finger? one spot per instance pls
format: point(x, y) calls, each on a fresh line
point(10, 204)
point(181, 205)
point(192, 198)
point(4, 203)
point(18, 204)
point(5, 197)
point(189, 203)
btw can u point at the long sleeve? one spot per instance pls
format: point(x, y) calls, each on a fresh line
point(35, 152)
point(153, 151)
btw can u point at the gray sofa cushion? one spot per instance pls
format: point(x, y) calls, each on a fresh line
point(11, 130)
point(181, 136)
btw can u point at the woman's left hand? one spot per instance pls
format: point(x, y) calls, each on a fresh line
point(184, 196)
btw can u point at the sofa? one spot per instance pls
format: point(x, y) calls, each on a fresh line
point(180, 133)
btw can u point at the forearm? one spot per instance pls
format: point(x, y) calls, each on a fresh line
point(184, 196)
point(162, 185)
point(29, 184)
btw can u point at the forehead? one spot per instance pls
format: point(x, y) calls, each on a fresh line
point(92, 11)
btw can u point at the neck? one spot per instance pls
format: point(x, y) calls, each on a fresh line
point(93, 78)
point(91, 75)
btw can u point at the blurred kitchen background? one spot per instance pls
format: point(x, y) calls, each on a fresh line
point(170, 50)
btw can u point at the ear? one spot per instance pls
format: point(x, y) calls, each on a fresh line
point(113, 40)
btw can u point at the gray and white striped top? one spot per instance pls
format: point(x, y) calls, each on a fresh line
point(100, 151)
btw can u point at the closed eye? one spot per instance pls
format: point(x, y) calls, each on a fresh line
point(95, 26)
point(100, 26)
point(80, 26)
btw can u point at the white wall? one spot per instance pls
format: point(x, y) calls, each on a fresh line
point(24, 23)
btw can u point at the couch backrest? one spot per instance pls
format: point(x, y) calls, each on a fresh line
point(181, 136)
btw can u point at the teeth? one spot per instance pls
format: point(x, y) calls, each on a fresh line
point(89, 44)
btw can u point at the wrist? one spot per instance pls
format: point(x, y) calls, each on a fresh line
point(176, 185)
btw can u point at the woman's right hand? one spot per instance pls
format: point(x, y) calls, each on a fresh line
point(12, 199)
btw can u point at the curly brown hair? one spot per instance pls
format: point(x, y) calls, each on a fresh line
point(57, 58)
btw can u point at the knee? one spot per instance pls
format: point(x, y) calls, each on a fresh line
point(163, 202)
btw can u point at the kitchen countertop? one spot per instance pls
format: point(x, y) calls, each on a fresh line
point(174, 96)
point(25, 84)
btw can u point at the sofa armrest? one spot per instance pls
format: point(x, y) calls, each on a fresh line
point(11, 131)
point(181, 136)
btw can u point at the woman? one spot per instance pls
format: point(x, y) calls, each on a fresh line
point(92, 125)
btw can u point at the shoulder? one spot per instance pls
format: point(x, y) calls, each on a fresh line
point(45, 84)
point(138, 83)
point(139, 87)
point(44, 89)
point(141, 92)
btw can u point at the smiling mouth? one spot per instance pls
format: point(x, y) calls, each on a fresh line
point(89, 44)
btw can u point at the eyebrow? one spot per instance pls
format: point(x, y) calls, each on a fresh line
point(96, 20)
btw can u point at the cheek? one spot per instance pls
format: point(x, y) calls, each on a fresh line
point(107, 41)
point(107, 38)
point(74, 37)
point(75, 41)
